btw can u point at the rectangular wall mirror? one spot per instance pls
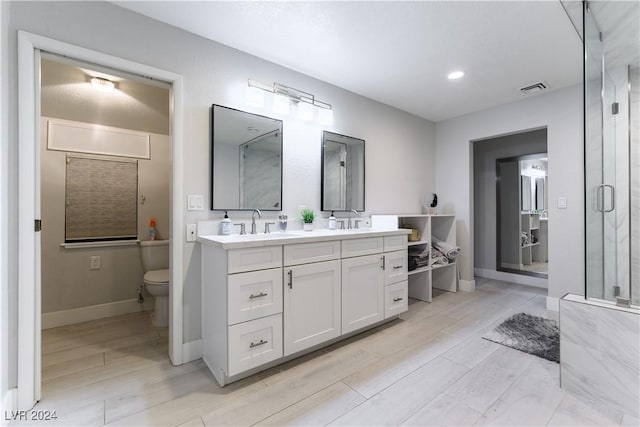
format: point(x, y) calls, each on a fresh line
point(522, 229)
point(342, 172)
point(246, 161)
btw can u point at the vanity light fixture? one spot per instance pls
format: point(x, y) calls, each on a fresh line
point(103, 85)
point(280, 104)
point(283, 96)
point(254, 96)
point(305, 111)
point(455, 75)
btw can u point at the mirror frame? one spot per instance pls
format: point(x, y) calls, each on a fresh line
point(364, 170)
point(212, 161)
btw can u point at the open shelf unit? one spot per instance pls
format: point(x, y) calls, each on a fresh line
point(440, 227)
point(536, 229)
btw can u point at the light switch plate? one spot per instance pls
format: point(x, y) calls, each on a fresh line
point(562, 202)
point(191, 232)
point(195, 202)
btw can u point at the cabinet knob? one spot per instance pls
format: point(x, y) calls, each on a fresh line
point(397, 299)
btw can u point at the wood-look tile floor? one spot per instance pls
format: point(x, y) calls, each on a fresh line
point(431, 367)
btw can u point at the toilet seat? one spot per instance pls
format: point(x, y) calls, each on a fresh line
point(157, 277)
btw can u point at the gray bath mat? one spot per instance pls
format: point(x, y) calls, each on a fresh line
point(531, 334)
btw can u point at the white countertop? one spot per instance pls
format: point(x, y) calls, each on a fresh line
point(236, 241)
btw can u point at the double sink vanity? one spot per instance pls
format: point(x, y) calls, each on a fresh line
point(268, 298)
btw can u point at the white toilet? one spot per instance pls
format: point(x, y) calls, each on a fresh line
point(155, 262)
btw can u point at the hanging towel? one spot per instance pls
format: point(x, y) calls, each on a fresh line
point(451, 252)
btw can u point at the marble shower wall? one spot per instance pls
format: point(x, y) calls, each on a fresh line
point(599, 353)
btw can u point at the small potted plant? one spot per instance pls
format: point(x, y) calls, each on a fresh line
point(307, 218)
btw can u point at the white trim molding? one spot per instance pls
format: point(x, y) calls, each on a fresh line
point(29, 321)
point(553, 304)
point(467, 285)
point(191, 351)
point(93, 312)
point(520, 279)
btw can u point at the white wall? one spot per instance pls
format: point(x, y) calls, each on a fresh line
point(560, 112)
point(399, 147)
point(485, 154)
point(7, 380)
point(67, 281)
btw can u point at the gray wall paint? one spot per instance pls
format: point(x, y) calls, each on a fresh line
point(560, 112)
point(400, 146)
point(634, 98)
point(485, 154)
point(67, 281)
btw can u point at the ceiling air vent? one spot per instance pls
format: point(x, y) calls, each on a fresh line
point(534, 87)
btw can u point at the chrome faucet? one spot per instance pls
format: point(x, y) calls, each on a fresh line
point(349, 227)
point(253, 220)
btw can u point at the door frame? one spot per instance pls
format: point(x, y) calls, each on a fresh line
point(29, 268)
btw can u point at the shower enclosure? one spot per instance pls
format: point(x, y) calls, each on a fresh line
point(612, 150)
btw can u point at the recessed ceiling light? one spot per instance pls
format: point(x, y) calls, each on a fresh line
point(455, 75)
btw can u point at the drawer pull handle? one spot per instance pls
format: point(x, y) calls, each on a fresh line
point(397, 267)
point(260, 295)
point(398, 299)
point(383, 262)
point(257, 344)
point(290, 273)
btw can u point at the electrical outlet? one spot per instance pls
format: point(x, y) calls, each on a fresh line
point(191, 232)
point(94, 263)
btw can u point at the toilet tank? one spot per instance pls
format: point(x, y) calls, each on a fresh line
point(155, 254)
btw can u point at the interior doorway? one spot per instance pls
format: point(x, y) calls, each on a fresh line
point(488, 252)
point(30, 47)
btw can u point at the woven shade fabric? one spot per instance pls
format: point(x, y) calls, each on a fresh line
point(101, 197)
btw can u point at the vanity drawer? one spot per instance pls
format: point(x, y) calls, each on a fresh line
point(251, 259)
point(359, 247)
point(395, 243)
point(304, 253)
point(396, 299)
point(254, 294)
point(254, 343)
point(395, 267)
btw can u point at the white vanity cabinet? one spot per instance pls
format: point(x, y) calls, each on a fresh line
point(264, 303)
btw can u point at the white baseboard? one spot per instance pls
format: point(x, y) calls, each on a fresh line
point(93, 312)
point(191, 351)
point(553, 304)
point(467, 285)
point(520, 279)
point(9, 403)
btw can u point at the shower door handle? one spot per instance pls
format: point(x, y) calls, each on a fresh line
point(613, 198)
point(600, 206)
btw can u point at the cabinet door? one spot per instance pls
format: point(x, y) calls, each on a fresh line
point(311, 305)
point(395, 267)
point(362, 292)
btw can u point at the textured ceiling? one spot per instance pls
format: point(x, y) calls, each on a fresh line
point(398, 53)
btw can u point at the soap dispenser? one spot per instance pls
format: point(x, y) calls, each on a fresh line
point(332, 222)
point(225, 225)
